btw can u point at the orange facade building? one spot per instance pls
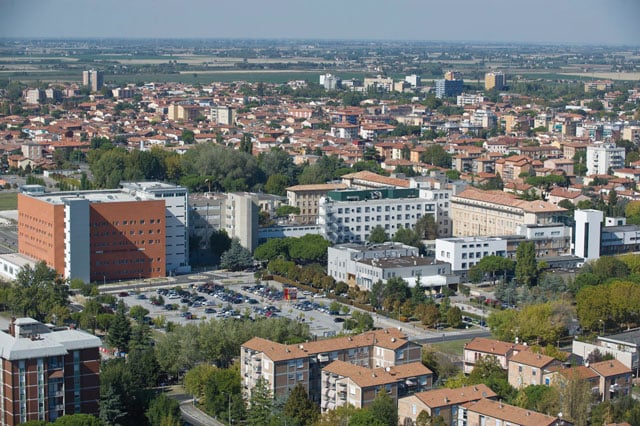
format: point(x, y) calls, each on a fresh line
point(94, 235)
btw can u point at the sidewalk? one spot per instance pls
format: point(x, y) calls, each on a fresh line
point(190, 413)
point(195, 416)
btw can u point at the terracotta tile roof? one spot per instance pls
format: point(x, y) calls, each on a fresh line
point(564, 193)
point(505, 199)
point(318, 187)
point(374, 177)
point(366, 377)
point(610, 368)
point(446, 397)
point(509, 413)
point(531, 358)
point(577, 372)
point(390, 338)
point(489, 346)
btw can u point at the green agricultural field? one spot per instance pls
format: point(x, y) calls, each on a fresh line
point(8, 200)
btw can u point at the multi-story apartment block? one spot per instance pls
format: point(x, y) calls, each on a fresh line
point(414, 80)
point(307, 198)
point(92, 79)
point(441, 402)
point(598, 86)
point(135, 232)
point(615, 378)
point(527, 368)
point(222, 114)
point(241, 218)
point(329, 81)
point(351, 215)
point(488, 213)
point(487, 412)
point(469, 99)
point(604, 156)
point(511, 168)
point(47, 372)
point(344, 383)
point(448, 88)
point(284, 366)
point(632, 134)
point(379, 83)
point(34, 96)
point(481, 347)
point(495, 80)
point(184, 112)
point(344, 131)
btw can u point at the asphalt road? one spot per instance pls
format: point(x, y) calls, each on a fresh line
point(8, 239)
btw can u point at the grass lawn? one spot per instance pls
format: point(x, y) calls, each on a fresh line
point(8, 201)
point(451, 347)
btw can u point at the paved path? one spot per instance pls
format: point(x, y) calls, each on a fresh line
point(196, 417)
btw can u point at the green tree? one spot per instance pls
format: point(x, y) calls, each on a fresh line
point(120, 330)
point(223, 389)
point(430, 316)
point(385, 409)
point(309, 248)
point(260, 404)
point(162, 408)
point(300, 408)
point(607, 267)
point(37, 292)
point(236, 258)
point(437, 156)
point(454, 317)
point(219, 242)
point(188, 137)
point(138, 313)
point(378, 235)
point(78, 420)
point(277, 184)
point(409, 237)
point(359, 322)
point(493, 265)
point(272, 249)
point(365, 417)
point(284, 211)
point(339, 416)
point(426, 227)
point(196, 379)
point(425, 419)
point(526, 267)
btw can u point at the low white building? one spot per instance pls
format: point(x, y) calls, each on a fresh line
point(463, 253)
point(364, 265)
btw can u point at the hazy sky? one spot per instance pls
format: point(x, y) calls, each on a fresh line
point(574, 21)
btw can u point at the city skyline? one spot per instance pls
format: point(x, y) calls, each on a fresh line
point(565, 21)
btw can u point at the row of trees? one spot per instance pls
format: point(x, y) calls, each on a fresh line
point(304, 250)
point(214, 167)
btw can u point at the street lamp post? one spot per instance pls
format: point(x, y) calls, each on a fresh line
point(602, 322)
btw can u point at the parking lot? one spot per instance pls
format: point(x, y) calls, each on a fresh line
point(217, 299)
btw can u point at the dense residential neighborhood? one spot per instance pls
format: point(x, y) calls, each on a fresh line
point(398, 234)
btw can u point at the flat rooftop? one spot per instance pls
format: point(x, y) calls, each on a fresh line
point(401, 262)
point(105, 196)
point(630, 337)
